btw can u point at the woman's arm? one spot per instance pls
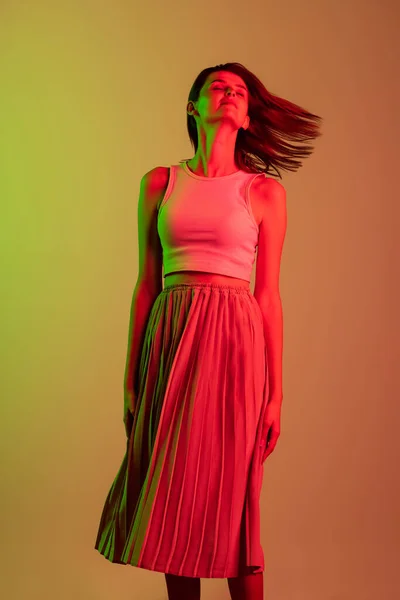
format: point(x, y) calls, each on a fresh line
point(149, 281)
point(266, 291)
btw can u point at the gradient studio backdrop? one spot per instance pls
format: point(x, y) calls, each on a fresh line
point(93, 95)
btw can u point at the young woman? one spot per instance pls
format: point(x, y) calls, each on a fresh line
point(203, 377)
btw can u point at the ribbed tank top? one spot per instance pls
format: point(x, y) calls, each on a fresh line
point(206, 223)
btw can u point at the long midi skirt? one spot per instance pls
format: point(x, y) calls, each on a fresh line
point(186, 497)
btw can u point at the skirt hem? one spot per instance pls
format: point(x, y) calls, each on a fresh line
point(247, 570)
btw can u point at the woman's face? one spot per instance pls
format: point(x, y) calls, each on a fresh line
point(211, 106)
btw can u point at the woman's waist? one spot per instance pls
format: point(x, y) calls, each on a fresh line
point(179, 277)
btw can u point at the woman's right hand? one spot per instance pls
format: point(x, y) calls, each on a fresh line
point(129, 409)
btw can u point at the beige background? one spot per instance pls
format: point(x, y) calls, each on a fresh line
point(93, 96)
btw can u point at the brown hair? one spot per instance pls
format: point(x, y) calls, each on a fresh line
point(275, 123)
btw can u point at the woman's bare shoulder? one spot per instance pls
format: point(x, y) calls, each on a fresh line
point(156, 179)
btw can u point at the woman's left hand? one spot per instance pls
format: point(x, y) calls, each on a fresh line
point(271, 427)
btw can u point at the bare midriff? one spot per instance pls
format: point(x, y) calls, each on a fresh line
point(203, 277)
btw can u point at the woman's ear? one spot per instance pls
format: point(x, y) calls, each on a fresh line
point(190, 108)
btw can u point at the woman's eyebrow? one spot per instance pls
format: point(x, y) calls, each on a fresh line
point(223, 81)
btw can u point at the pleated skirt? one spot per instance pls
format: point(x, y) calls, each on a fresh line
point(185, 499)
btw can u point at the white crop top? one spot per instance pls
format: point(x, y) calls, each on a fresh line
point(206, 223)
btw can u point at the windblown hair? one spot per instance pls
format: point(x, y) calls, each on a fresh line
point(275, 125)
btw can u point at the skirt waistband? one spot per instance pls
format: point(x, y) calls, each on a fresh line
point(217, 286)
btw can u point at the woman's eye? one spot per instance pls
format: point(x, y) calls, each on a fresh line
point(220, 88)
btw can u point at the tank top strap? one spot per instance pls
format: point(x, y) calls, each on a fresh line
point(170, 186)
point(249, 183)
